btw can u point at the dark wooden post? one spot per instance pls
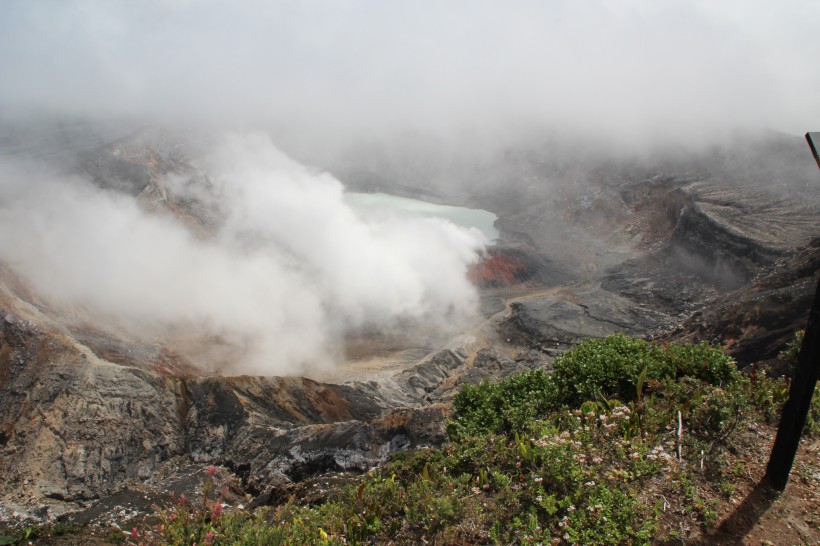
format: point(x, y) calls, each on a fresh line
point(802, 388)
point(814, 142)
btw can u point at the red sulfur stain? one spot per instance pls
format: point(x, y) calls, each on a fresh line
point(499, 269)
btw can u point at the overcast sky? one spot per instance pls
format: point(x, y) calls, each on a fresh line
point(632, 66)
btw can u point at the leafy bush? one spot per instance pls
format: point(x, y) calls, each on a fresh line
point(616, 368)
point(608, 368)
point(611, 517)
point(701, 361)
point(790, 354)
point(503, 406)
point(792, 350)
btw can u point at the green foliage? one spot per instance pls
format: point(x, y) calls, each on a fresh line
point(24, 536)
point(792, 351)
point(701, 361)
point(768, 395)
point(608, 368)
point(611, 517)
point(503, 406)
point(598, 370)
point(812, 426)
point(622, 367)
point(790, 354)
point(207, 522)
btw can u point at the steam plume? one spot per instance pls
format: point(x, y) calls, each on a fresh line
point(290, 271)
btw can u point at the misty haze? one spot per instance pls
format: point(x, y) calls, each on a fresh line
point(296, 242)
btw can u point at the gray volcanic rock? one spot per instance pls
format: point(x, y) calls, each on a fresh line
point(439, 378)
point(75, 424)
point(564, 319)
point(729, 232)
point(427, 376)
point(76, 427)
point(489, 365)
point(724, 234)
point(755, 322)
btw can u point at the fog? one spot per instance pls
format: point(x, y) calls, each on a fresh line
point(291, 270)
point(325, 73)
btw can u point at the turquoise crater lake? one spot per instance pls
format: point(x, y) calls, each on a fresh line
point(480, 219)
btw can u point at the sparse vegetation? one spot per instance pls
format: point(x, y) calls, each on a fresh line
point(792, 350)
point(36, 534)
point(622, 438)
point(790, 354)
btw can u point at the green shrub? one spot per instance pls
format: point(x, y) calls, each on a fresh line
point(612, 516)
point(812, 426)
point(504, 406)
point(606, 368)
point(702, 361)
point(792, 350)
point(790, 354)
point(768, 394)
point(616, 367)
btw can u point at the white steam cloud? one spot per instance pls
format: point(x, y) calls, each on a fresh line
point(291, 270)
